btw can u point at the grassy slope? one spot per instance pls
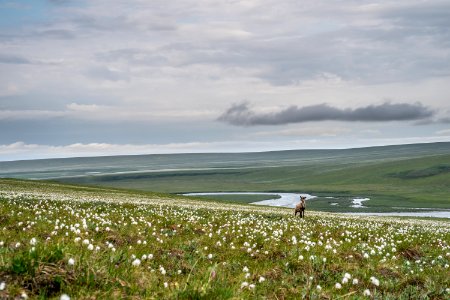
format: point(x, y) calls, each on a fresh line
point(401, 176)
point(207, 250)
point(414, 182)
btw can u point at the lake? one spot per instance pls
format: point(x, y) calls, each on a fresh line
point(291, 199)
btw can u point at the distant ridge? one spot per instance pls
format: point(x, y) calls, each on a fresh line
point(89, 166)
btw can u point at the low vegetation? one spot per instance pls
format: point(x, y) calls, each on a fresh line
point(62, 242)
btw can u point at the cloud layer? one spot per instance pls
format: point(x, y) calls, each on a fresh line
point(242, 115)
point(162, 72)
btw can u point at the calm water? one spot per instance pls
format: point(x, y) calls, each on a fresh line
point(291, 199)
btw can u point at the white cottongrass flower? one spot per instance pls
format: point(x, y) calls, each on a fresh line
point(318, 288)
point(150, 256)
point(245, 269)
point(261, 279)
point(355, 281)
point(300, 257)
point(348, 276)
point(162, 270)
point(166, 285)
point(24, 295)
point(71, 261)
point(2, 285)
point(374, 281)
point(244, 284)
point(252, 286)
point(337, 286)
point(344, 280)
point(136, 262)
point(86, 242)
point(33, 241)
point(90, 247)
point(64, 297)
point(366, 293)
point(210, 256)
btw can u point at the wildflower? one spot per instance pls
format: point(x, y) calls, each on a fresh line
point(318, 288)
point(252, 286)
point(355, 281)
point(366, 293)
point(2, 285)
point(90, 247)
point(348, 276)
point(71, 261)
point(64, 297)
point(374, 281)
point(300, 257)
point(166, 285)
point(344, 280)
point(338, 285)
point(244, 284)
point(210, 256)
point(136, 262)
point(150, 256)
point(24, 295)
point(33, 242)
point(261, 279)
point(245, 269)
point(86, 242)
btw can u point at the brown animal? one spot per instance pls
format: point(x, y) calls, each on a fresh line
point(300, 207)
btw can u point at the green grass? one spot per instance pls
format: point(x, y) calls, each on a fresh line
point(408, 182)
point(406, 176)
point(203, 249)
point(239, 198)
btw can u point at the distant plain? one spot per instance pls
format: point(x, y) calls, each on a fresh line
point(395, 178)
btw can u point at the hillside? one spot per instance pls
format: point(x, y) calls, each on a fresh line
point(405, 176)
point(100, 243)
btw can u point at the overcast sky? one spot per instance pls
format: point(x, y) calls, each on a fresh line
point(102, 77)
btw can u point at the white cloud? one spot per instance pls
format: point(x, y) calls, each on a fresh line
point(166, 61)
point(30, 114)
point(444, 132)
point(306, 131)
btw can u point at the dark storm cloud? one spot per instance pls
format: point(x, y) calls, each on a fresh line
point(242, 115)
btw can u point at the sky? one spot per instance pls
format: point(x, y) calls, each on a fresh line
point(113, 77)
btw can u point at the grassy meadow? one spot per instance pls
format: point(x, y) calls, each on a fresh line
point(393, 177)
point(62, 241)
point(422, 182)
